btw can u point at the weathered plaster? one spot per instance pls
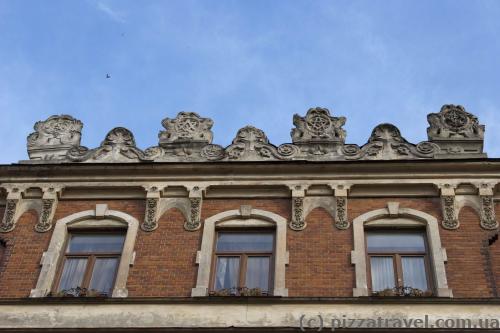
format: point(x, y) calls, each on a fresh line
point(217, 315)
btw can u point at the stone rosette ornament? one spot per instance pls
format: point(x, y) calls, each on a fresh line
point(457, 132)
point(318, 133)
point(317, 136)
point(53, 137)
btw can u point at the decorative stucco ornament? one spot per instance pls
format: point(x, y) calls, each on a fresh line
point(386, 143)
point(450, 220)
point(298, 220)
point(54, 137)
point(151, 216)
point(118, 147)
point(186, 127)
point(457, 132)
point(213, 152)
point(318, 136)
point(251, 144)
point(8, 221)
point(318, 133)
point(488, 218)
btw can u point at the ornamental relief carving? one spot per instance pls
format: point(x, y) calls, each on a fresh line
point(318, 125)
point(450, 220)
point(118, 146)
point(386, 143)
point(298, 220)
point(193, 222)
point(454, 122)
point(186, 127)
point(8, 221)
point(151, 215)
point(488, 218)
point(341, 221)
point(53, 137)
point(45, 222)
point(317, 136)
point(251, 143)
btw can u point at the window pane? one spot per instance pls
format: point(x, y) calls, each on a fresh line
point(227, 272)
point(382, 273)
point(105, 243)
point(257, 275)
point(72, 274)
point(395, 242)
point(103, 275)
point(414, 272)
point(241, 242)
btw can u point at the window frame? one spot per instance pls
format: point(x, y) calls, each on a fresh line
point(3, 251)
point(400, 217)
point(100, 218)
point(396, 257)
point(90, 256)
point(243, 257)
point(244, 217)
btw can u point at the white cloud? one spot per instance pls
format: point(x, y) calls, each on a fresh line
point(110, 12)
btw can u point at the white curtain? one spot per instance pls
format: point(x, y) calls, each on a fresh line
point(72, 274)
point(257, 275)
point(103, 275)
point(382, 269)
point(227, 272)
point(414, 272)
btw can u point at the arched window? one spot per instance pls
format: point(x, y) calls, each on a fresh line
point(242, 249)
point(92, 249)
point(398, 247)
point(3, 247)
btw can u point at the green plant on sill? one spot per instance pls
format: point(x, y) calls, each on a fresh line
point(403, 292)
point(240, 291)
point(78, 292)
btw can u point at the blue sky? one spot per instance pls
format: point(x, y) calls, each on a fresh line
point(245, 62)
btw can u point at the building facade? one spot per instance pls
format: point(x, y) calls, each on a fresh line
point(305, 236)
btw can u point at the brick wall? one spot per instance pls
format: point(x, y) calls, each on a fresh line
point(319, 255)
point(466, 265)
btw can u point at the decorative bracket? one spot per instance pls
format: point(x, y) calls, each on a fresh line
point(12, 207)
point(152, 202)
point(49, 205)
point(193, 222)
point(340, 193)
point(448, 204)
point(298, 219)
point(488, 218)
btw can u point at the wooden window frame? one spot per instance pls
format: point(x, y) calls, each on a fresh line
point(90, 256)
point(244, 257)
point(3, 250)
point(396, 258)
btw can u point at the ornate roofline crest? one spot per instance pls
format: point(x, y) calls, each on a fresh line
point(318, 136)
point(386, 142)
point(118, 146)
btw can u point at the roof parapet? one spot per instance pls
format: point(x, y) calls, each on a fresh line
point(318, 136)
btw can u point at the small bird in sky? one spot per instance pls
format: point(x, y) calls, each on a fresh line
point(108, 76)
